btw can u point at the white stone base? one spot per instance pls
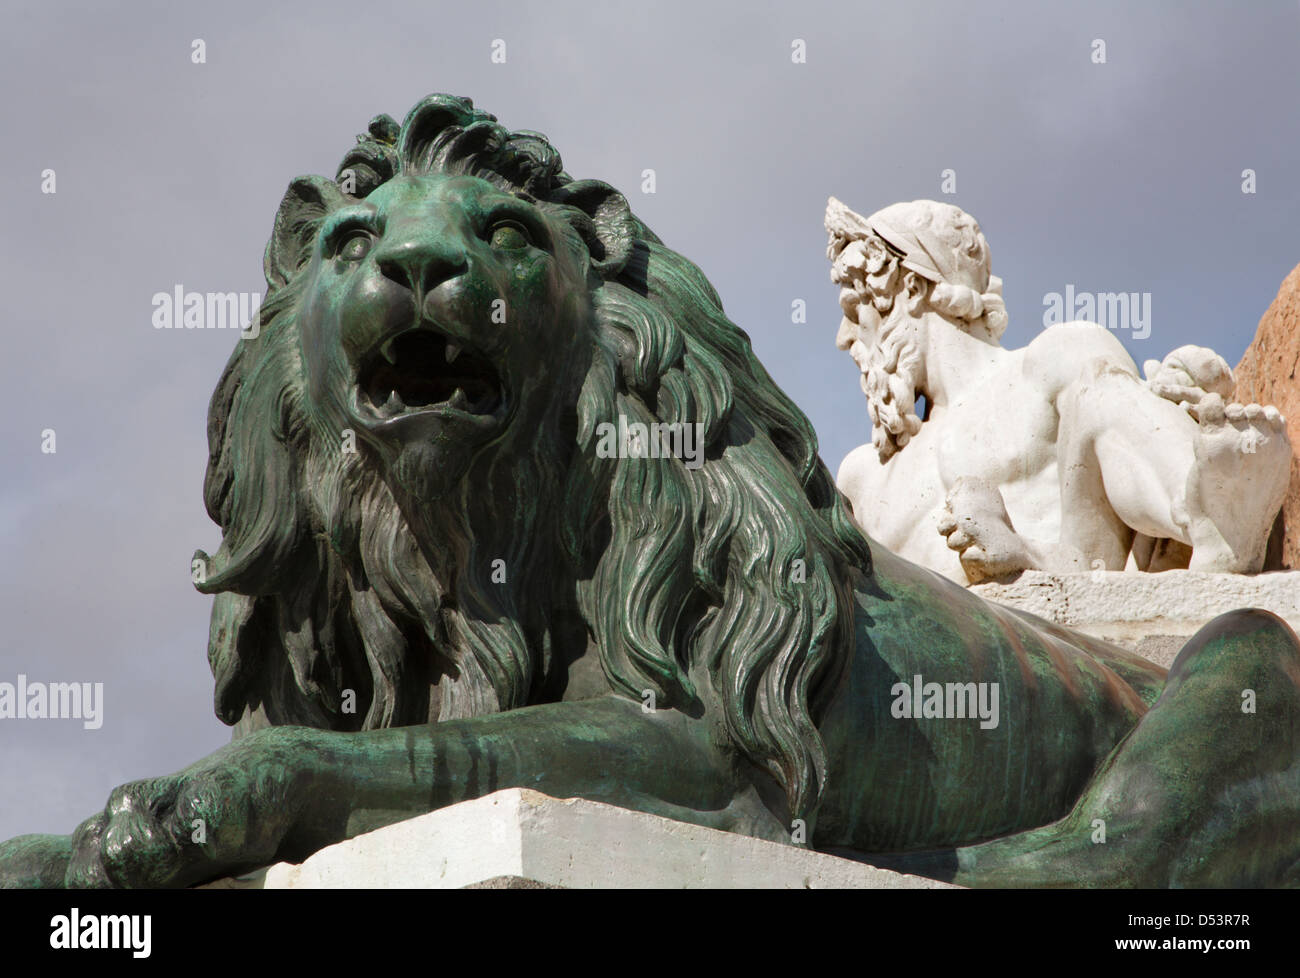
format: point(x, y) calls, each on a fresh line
point(1152, 614)
point(523, 839)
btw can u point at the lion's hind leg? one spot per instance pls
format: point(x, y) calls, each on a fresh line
point(1205, 791)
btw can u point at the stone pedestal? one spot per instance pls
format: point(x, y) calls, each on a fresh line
point(526, 840)
point(1152, 614)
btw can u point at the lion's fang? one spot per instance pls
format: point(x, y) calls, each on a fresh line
point(453, 351)
point(394, 403)
point(458, 400)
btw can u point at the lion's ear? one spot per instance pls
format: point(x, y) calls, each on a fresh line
point(305, 203)
point(609, 229)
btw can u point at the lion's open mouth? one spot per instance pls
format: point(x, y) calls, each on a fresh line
point(422, 370)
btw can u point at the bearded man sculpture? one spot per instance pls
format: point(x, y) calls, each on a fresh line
point(1054, 457)
point(431, 584)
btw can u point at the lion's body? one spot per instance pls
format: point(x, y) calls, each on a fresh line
point(434, 582)
point(928, 783)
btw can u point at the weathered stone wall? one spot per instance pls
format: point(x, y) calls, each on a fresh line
point(1269, 373)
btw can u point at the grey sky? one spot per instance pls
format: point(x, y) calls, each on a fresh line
point(1123, 176)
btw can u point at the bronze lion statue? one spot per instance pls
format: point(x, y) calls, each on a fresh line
point(436, 580)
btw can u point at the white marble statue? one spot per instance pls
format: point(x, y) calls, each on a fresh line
point(1057, 456)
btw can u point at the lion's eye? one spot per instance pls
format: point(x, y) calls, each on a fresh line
point(509, 236)
point(354, 246)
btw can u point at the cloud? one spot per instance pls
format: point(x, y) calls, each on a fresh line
point(1122, 176)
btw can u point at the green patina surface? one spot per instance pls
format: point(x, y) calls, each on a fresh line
point(433, 584)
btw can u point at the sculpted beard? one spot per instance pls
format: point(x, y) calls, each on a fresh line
point(887, 349)
point(328, 612)
point(474, 626)
point(891, 379)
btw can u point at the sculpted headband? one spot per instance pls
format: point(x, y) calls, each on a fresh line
point(925, 253)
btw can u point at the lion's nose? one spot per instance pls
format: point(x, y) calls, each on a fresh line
point(420, 264)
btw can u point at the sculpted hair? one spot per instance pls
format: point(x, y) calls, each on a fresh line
point(871, 275)
point(931, 248)
point(726, 587)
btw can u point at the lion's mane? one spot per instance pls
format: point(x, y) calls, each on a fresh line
point(727, 587)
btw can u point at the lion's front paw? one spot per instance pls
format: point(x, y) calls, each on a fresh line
point(166, 832)
point(976, 524)
point(229, 812)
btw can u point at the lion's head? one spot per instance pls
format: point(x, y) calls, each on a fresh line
point(404, 463)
